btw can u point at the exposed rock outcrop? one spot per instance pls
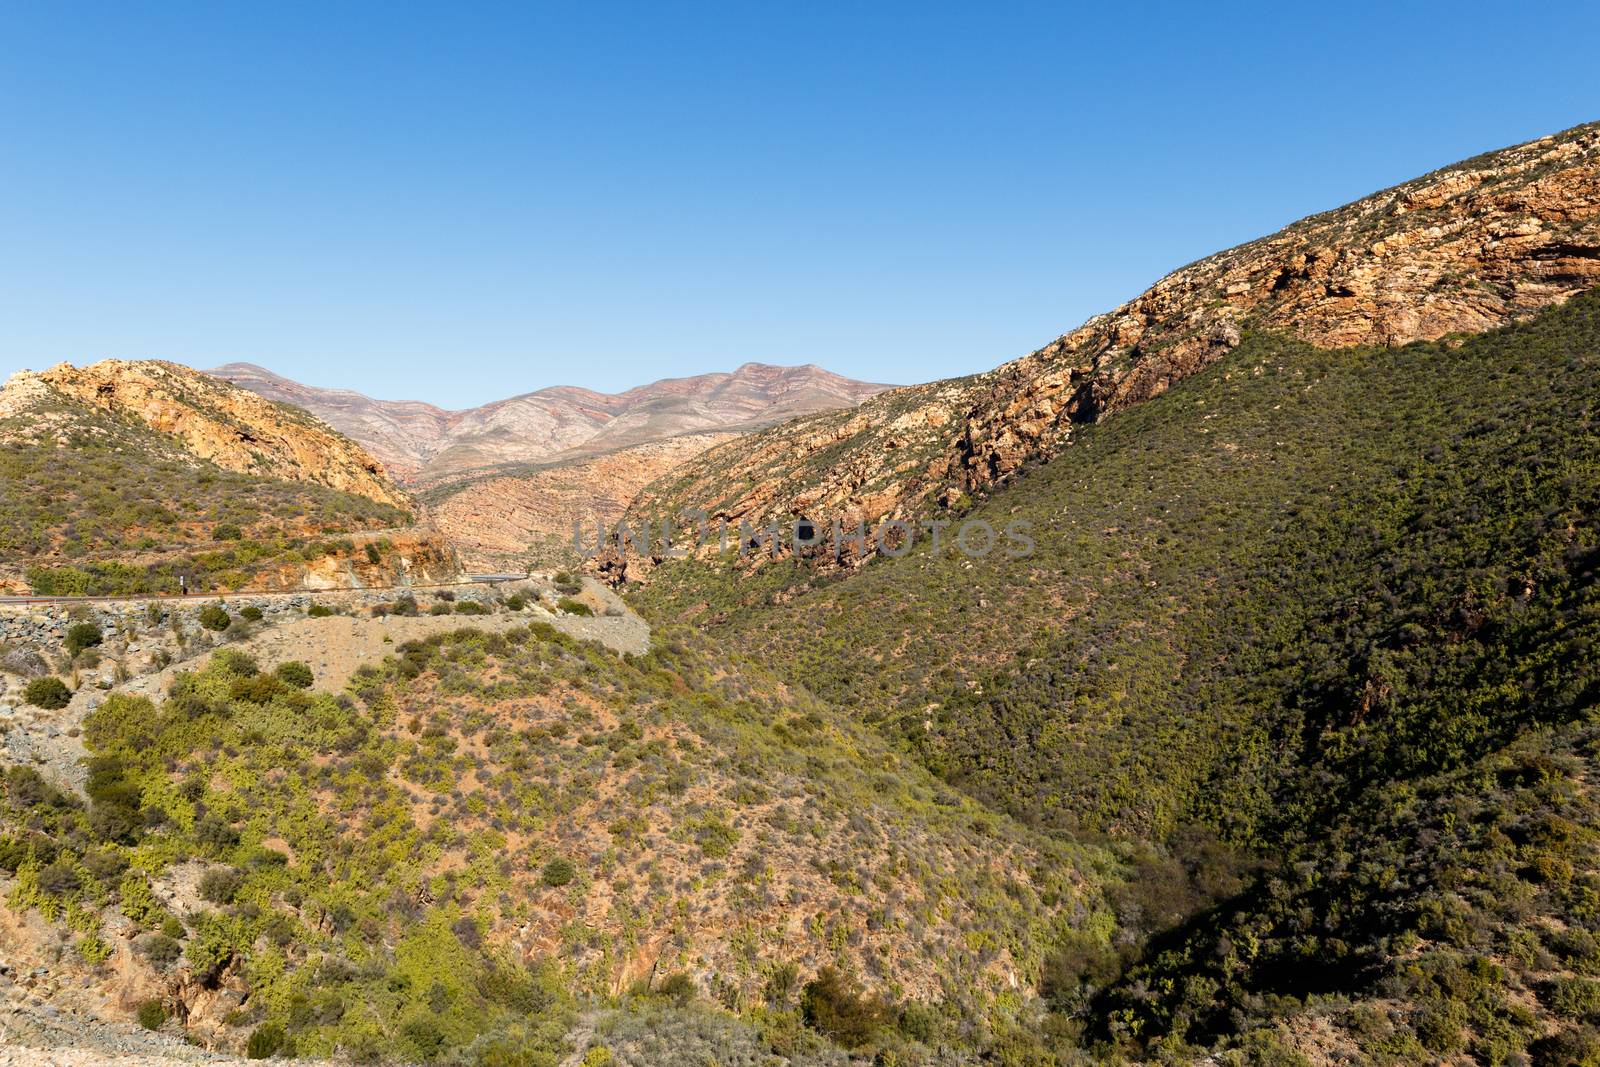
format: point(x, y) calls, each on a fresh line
point(231, 427)
point(1461, 250)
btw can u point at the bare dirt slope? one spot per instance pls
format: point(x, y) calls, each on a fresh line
point(529, 515)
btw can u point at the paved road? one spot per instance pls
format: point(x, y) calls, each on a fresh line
point(471, 579)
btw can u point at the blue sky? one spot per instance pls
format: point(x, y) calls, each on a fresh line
point(461, 202)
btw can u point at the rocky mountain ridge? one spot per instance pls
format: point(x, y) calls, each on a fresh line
point(233, 428)
point(1464, 249)
point(426, 443)
point(128, 477)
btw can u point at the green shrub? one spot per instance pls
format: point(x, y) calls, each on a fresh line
point(257, 689)
point(59, 879)
point(1576, 998)
point(677, 987)
point(220, 885)
point(834, 1004)
point(471, 607)
point(559, 872)
point(573, 607)
point(441, 608)
point(152, 1014)
point(373, 555)
point(425, 1035)
point(49, 692)
point(215, 834)
point(515, 602)
point(264, 1041)
point(226, 531)
point(215, 617)
point(81, 636)
point(250, 613)
point(781, 983)
point(237, 663)
point(319, 611)
point(161, 948)
point(295, 673)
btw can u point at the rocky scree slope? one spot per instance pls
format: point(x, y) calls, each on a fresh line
point(1464, 249)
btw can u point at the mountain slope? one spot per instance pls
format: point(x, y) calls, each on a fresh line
point(430, 443)
point(123, 477)
point(433, 866)
point(1276, 604)
point(233, 428)
point(1469, 247)
point(518, 515)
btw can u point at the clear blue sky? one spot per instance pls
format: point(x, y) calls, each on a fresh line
point(461, 202)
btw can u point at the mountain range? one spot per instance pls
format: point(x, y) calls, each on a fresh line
point(422, 443)
point(1275, 745)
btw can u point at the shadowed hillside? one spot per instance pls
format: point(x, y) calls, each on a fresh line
point(1310, 602)
point(1464, 249)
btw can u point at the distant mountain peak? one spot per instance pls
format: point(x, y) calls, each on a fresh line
point(421, 440)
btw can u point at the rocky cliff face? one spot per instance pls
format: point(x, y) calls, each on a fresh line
point(429, 444)
point(231, 427)
point(1464, 249)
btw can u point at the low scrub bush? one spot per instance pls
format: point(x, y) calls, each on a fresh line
point(152, 1015)
point(295, 673)
point(559, 872)
point(81, 636)
point(49, 692)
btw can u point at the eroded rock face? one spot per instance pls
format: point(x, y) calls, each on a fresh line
point(233, 428)
point(1461, 250)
